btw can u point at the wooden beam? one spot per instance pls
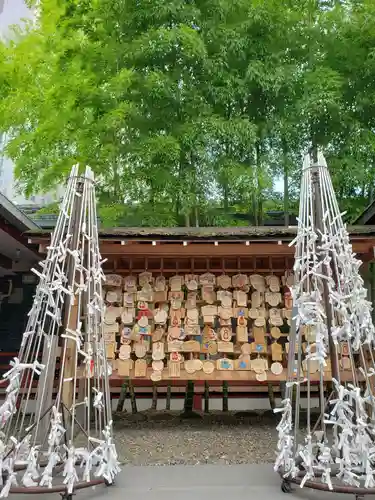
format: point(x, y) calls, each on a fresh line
point(236, 375)
point(210, 250)
point(5, 262)
point(163, 270)
point(193, 250)
point(239, 249)
point(13, 232)
point(198, 250)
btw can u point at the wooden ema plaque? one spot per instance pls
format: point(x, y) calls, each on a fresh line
point(202, 327)
point(140, 368)
point(174, 368)
point(124, 367)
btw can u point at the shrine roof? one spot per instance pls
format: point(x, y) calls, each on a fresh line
point(14, 216)
point(367, 217)
point(207, 233)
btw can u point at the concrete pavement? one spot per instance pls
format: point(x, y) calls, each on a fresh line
point(201, 482)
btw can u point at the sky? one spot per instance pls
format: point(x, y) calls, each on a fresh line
point(11, 12)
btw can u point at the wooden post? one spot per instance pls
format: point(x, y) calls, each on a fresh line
point(366, 274)
point(225, 396)
point(122, 398)
point(168, 398)
point(318, 223)
point(206, 397)
point(133, 400)
point(46, 381)
point(154, 403)
point(72, 314)
point(68, 386)
point(271, 396)
point(372, 281)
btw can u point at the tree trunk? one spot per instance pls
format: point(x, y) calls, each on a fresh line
point(225, 194)
point(177, 206)
point(154, 403)
point(116, 184)
point(260, 210)
point(226, 200)
point(187, 220)
point(256, 196)
point(371, 194)
point(286, 184)
point(371, 188)
point(254, 207)
point(314, 150)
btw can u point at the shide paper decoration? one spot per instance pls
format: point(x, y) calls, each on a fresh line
point(38, 446)
point(333, 327)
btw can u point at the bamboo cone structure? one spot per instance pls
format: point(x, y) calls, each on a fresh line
point(332, 321)
point(39, 448)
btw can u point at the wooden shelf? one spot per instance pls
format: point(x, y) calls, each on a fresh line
point(346, 376)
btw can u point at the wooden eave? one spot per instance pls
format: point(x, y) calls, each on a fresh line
point(367, 216)
point(208, 242)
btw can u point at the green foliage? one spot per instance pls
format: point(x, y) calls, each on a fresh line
point(136, 216)
point(50, 209)
point(192, 112)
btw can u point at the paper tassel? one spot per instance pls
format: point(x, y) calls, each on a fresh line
point(70, 472)
point(109, 465)
point(32, 473)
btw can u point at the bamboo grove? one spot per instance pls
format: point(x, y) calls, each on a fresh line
point(192, 112)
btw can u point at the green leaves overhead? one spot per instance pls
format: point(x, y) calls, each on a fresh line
point(64, 102)
point(192, 111)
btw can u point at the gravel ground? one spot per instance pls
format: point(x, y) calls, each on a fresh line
point(167, 439)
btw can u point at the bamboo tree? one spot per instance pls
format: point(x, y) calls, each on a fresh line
point(286, 183)
point(190, 109)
